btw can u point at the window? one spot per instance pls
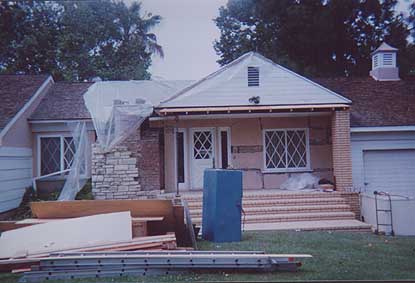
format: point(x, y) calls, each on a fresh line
point(180, 156)
point(224, 135)
point(286, 149)
point(253, 76)
point(57, 154)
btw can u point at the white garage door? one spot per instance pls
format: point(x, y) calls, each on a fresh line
point(390, 170)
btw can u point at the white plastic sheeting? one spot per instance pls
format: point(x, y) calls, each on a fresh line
point(118, 108)
point(74, 183)
point(304, 181)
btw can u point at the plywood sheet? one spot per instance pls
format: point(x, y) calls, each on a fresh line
point(66, 234)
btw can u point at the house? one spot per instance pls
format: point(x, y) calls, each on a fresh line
point(251, 114)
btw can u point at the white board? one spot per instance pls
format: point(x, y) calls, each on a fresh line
point(66, 234)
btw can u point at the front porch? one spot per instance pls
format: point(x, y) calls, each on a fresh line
point(267, 147)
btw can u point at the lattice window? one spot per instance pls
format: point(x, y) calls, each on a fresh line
point(57, 154)
point(202, 145)
point(50, 155)
point(286, 149)
point(68, 152)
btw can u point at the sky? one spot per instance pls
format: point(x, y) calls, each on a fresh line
point(187, 33)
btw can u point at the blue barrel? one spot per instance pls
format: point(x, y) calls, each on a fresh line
point(222, 205)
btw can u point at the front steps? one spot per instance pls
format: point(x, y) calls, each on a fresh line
point(276, 210)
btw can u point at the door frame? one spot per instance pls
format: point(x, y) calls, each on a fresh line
point(191, 156)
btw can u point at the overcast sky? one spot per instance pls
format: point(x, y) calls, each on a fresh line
point(186, 33)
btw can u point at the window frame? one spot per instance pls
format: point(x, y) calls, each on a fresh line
point(62, 157)
point(286, 169)
point(183, 185)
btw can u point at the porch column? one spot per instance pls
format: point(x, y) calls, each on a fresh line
point(342, 162)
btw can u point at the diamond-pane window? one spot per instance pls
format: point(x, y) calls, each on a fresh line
point(202, 145)
point(50, 155)
point(57, 154)
point(286, 149)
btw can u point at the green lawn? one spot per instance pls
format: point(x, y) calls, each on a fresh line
point(337, 255)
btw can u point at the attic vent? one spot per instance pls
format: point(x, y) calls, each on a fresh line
point(253, 76)
point(375, 61)
point(387, 59)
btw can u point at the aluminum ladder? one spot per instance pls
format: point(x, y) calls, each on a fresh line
point(389, 211)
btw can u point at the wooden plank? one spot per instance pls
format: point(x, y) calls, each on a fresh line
point(69, 209)
point(138, 208)
point(66, 234)
point(44, 220)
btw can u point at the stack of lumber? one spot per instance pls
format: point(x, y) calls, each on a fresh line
point(88, 226)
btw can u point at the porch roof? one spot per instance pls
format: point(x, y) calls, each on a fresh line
point(252, 109)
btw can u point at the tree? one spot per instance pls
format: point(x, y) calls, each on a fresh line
point(313, 37)
point(77, 40)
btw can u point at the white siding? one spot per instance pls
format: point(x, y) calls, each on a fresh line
point(229, 87)
point(15, 175)
point(376, 141)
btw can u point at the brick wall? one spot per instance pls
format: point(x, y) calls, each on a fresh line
point(352, 199)
point(342, 162)
point(130, 170)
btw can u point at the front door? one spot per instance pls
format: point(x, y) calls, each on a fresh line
point(202, 153)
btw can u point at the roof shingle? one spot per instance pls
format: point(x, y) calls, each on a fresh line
point(15, 92)
point(376, 103)
point(64, 101)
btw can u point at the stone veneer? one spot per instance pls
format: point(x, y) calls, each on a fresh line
point(130, 170)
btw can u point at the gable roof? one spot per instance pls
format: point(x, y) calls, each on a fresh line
point(15, 92)
point(64, 101)
point(229, 87)
point(376, 103)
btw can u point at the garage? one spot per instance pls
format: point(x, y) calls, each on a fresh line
point(390, 170)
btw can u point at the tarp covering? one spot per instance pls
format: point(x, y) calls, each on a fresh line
point(118, 108)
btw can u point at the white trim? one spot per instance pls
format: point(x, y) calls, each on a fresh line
point(238, 116)
point(382, 129)
point(25, 107)
point(229, 143)
point(185, 153)
point(283, 170)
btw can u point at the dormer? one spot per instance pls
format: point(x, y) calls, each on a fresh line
point(384, 65)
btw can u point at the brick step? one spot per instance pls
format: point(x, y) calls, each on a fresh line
point(311, 216)
point(271, 195)
point(285, 209)
point(280, 202)
point(319, 225)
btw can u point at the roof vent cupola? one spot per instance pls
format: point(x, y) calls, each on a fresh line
point(384, 65)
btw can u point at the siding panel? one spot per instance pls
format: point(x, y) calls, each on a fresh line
point(15, 176)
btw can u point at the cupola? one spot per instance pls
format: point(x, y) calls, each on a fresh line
point(384, 65)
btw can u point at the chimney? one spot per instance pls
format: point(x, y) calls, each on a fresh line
point(384, 67)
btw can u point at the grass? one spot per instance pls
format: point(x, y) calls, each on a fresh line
point(336, 255)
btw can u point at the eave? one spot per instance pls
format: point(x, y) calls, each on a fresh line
point(250, 109)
